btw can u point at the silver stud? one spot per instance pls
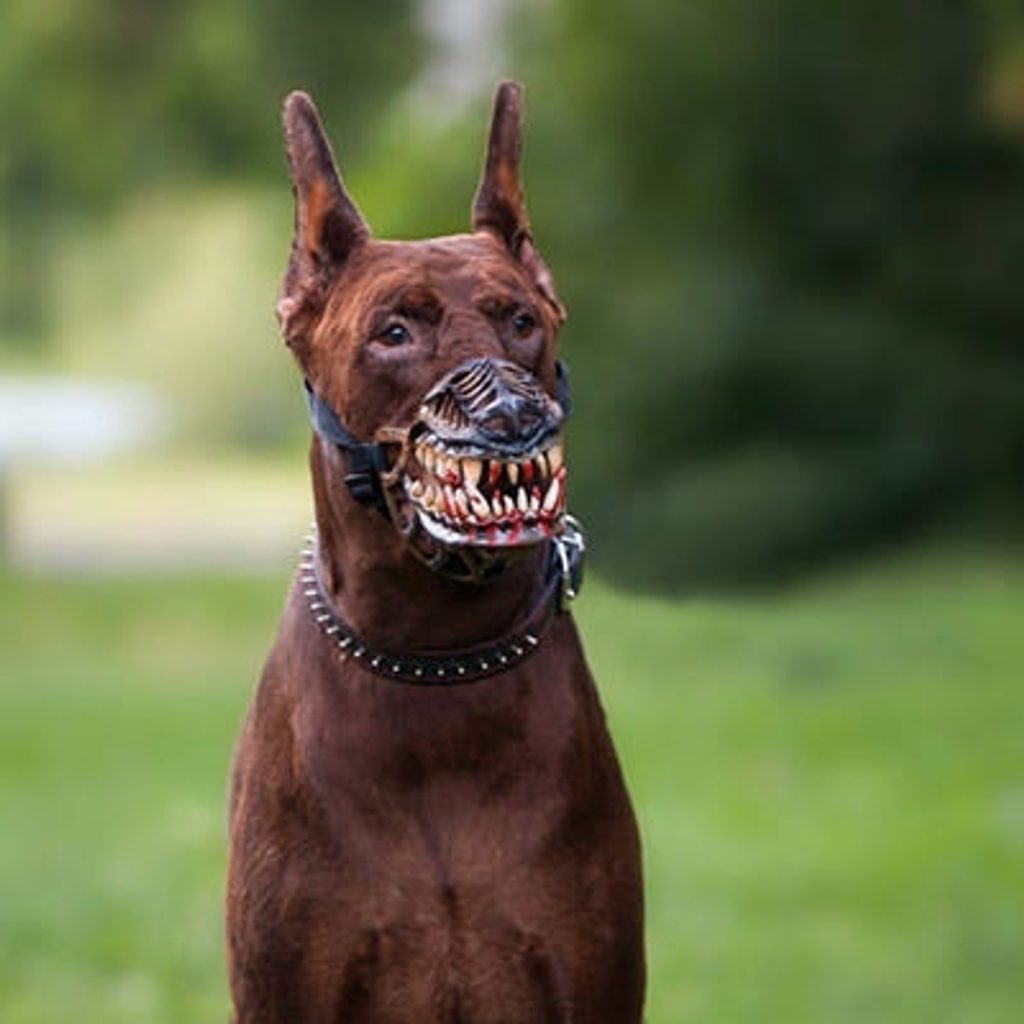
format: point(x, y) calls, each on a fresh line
point(531, 640)
point(310, 592)
point(345, 642)
point(323, 618)
point(462, 670)
point(332, 629)
point(375, 661)
point(418, 672)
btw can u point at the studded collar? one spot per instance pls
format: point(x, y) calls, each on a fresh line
point(563, 576)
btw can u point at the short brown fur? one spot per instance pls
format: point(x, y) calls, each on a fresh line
point(404, 854)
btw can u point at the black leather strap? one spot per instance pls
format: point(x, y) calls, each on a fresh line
point(562, 388)
point(366, 460)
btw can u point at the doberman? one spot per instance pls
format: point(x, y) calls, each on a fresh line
point(428, 823)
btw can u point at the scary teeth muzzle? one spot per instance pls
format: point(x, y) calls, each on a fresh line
point(481, 468)
point(486, 466)
point(463, 499)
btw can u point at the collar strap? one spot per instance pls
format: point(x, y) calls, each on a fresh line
point(368, 459)
point(563, 575)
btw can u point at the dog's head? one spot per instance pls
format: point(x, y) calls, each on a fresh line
point(443, 349)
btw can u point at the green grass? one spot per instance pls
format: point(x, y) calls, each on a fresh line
point(830, 783)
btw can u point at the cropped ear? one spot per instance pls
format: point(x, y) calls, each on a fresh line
point(328, 227)
point(499, 207)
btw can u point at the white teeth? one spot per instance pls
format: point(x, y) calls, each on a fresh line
point(551, 498)
point(450, 488)
point(478, 503)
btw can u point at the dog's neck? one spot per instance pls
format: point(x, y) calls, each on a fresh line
point(387, 595)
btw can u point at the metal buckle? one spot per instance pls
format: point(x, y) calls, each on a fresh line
point(570, 546)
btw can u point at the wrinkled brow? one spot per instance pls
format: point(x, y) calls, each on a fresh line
point(500, 292)
point(393, 293)
point(418, 303)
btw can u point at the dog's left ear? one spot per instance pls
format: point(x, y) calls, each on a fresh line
point(328, 227)
point(499, 206)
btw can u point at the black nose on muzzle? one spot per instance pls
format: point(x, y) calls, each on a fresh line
point(491, 404)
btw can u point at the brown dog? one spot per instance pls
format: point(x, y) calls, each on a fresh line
point(428, 821)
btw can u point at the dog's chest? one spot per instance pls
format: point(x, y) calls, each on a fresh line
point(433, 869)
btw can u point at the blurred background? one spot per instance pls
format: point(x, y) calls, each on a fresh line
point(791, 239)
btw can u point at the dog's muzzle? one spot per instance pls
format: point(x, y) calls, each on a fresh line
point(484, 465)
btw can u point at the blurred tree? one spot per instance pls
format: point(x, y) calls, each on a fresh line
point(788, 232)
point(799, 227)
point(101, 98)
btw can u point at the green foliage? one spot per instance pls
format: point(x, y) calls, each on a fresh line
point(100, 99)
point(197, 326)
point(790, 234)
point(136, 93)
point(829, 788)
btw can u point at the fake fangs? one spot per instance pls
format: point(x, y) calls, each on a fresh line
point(492, 501)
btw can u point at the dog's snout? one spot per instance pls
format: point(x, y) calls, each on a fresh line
point(492, 403)
point(513, 418)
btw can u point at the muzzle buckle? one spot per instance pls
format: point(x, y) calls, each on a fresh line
point(570, 548)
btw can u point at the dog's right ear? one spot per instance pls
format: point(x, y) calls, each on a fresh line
point(499, 207)
point(328, 227)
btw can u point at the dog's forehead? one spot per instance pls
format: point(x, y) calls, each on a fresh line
point(452, 267)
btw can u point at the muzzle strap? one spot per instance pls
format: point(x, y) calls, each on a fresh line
point(366, 460)
point(562, 388)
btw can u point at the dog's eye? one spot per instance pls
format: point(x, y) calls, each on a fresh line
point(523, 324)
point(396, 334)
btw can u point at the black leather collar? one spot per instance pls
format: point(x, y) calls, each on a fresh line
point(562, 581)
